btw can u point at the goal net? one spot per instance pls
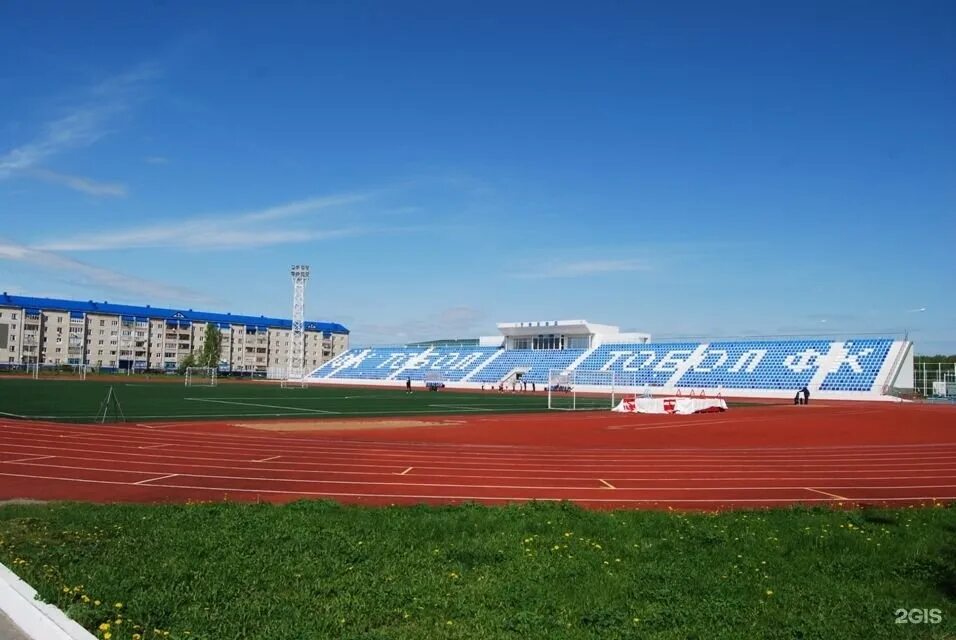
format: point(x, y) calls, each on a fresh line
point(37, 370)
point(581, 390)
point(200, 377)
point(434, 380)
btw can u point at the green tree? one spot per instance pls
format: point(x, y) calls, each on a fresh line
point(189, 361)
point(212, 346)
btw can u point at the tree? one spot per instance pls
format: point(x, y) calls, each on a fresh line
point(188, 361)
point(211, 347)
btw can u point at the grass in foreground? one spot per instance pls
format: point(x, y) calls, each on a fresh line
point(319, 570)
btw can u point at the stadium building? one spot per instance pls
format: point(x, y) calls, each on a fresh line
point(596, 356)
point(121, 337)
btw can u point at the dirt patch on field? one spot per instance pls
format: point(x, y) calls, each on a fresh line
point(345, 425)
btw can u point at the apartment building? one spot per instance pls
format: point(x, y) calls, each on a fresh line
point(112, 336)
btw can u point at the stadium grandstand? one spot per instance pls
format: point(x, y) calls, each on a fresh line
point(107, 336)
point(864, 368)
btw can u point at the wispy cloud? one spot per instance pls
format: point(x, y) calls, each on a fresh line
point(87, 275)
point(78, 183)
point(582, 268)
point(81, 126)
point(453, 322)
point(224, 231)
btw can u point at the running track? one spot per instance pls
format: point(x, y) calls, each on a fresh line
point(768, 456)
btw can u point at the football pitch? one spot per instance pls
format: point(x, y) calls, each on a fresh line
point(74, 400)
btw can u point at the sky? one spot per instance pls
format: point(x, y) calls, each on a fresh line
point(681, 168)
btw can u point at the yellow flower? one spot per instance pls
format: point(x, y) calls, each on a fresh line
point(769, 592)
point(107, 635)
point(136, 636)
point(96, 602)
point(118, 605)
point(104, 626)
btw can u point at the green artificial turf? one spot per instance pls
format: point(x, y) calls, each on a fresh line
point(54, 399)
point(538, 571)
point(145, 400)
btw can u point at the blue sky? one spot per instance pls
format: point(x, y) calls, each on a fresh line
point(681, 168)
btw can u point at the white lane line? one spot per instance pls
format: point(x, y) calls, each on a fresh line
point(608, 484)
point(496, 498)
point(166, 477)
point(832, 495)
point(267, 406)
point(156, 446)
point(268, 459)
point(503, 466)
point(30, 459)
point(12, 415)
point(406, 471)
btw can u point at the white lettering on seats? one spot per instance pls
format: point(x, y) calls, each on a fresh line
point(721, 360)
point(467, 361)
point(648, 359)
point(749, 360)
point(803, 360)
point(392, 360)
point(672, 360)
point(853, 360)
point(615, 356)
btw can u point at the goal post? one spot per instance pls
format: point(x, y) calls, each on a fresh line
point(581, 390)
point(434, 380)
point(200, 377)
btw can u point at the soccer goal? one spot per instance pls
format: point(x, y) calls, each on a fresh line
point(434, 380)
point(292, 383)
point(581, 390)
point(200, 377)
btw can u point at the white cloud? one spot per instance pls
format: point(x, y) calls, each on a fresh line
point(77, 183)
point(87, 275)
point(454, 322)
point(242, 230)
point(583, 268)
point(80, 127)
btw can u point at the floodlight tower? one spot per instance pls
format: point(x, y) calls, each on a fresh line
point(300, 275)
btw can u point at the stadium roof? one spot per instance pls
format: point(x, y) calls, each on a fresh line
point(158, 313)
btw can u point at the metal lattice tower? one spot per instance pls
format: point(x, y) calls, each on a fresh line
point(300, 275)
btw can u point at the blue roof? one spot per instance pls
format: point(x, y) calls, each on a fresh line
point(158, 313)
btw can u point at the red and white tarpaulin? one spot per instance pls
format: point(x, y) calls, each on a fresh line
point(671, 405)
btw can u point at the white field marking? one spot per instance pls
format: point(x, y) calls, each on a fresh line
point(114, 429)
point(498, 498)
point(546, 487)
point(267, 459)
point(13, 415)
point(469, 456)
point(833, 495)
point(30, 459)
point(825, 454)
point(498, 465)
point(267, 406)
point(802, 480)
point(667, 467)
point(608, 484)
point(406, 471)
point(461, 407)
point(156, 446)
point(230, 416)
point(166, 477)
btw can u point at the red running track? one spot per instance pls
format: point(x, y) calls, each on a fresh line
point(843, 454)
